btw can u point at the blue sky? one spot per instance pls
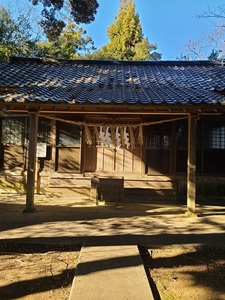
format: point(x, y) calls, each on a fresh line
point(168, 23)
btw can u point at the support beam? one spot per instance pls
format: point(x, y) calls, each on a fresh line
point(31, 172)
point(191, 165)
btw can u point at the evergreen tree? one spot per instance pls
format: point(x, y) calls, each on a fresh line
point(71, 44)
point(126, 38)
point(215, 55)
point(15, 35)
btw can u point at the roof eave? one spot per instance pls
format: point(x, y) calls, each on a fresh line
point(46, 108)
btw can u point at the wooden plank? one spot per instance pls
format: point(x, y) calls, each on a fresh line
point(119, 165)
point(90, 158)
point(68, 159)
point(128, 160)
point(13, 157)
point(108, 163)
point(100, 158)
point(137, 161)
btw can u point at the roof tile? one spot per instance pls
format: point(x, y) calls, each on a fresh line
point(94, 82)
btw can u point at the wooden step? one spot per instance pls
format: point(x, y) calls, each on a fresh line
point(136, 189)
point(147, 184)
point(70, 182)
point(144, 195)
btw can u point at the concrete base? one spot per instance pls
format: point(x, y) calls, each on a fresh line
point(110, 272)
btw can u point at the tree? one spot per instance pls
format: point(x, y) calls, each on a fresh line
point(218, 13)
point(209, 46)
point(126, 37)
point(81, 11)
point(15, 35)
point(195, 49)
point(72, 43)
point(214, 55)
point(217, 36)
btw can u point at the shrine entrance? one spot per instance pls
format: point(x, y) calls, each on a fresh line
point(103, 158)
point(116, 147)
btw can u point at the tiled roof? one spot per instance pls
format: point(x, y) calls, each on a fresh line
point(113, 82)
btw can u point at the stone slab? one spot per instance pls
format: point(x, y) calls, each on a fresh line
point(112, 273)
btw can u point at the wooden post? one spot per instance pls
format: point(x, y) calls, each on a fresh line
point(83, 150)
point(53, 145)
point(1, 147)
point(191, 165)
point(31, 172)
point(173, 154)
point(38, 179)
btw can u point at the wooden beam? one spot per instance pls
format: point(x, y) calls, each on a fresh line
point(191, 165)
point(31, 172)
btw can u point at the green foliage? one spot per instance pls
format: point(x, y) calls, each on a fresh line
point(143, 51)
point(126, 38)
point(81, 11)
point(215, 54)
point(72, 43)
point(15, 36)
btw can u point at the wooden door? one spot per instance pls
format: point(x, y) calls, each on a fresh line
point(99, 157)
point(68, 150)
point(158, 144)
point(102, 158)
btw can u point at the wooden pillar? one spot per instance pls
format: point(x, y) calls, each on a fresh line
point(31, 171)
point(83, 150)
point(53, 143)
point(191, 166)
point(143, 151)
point(173, 154)
point(1, 147)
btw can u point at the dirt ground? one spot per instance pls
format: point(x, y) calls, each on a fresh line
point(45, 272)
point(33, 272)
point(184, 274)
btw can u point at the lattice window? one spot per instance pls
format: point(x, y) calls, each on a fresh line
point(69, 135)
point(14, 131)
point(44, 129)
point(158, 137)
point(182, 134)
point(215, 136)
